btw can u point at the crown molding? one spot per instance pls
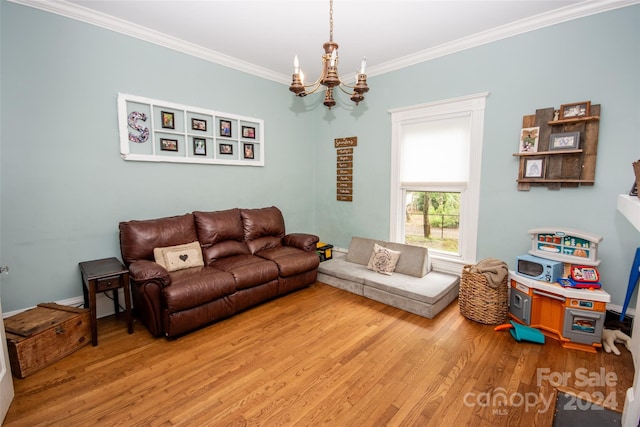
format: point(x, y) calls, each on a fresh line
point(542, 20)
point(99, 19)
point(568, 13)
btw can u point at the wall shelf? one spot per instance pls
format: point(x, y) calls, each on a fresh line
point(561, 168)
point(550, 153)
point(629, 206)
point(573, 120)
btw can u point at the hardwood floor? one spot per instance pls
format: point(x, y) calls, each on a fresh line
point(320, 356)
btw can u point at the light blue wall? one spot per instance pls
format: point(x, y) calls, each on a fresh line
point(64, 187)
point(595, 58)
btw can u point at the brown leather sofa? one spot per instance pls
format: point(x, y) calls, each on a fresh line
point(247, 257)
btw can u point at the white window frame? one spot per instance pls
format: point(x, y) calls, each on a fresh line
point(472, 106)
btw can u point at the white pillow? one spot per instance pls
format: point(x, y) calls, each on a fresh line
point(179, 257)
point(383, 260)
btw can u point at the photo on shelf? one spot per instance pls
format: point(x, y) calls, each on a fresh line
point(226, 149)
point(225, 128)
point(579, 109)
point(199, 146)
point(529, 139)
point(534, 168)
point(168, 144)
point(168, 120)
point(199, 124)
point(564, 141)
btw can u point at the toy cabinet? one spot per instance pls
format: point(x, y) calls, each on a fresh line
point(575, 317)
point(566, 245)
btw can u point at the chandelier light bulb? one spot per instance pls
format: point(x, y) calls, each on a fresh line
point(362, 65)
point(296, 65)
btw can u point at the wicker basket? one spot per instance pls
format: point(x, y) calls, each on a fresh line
point(480, 302)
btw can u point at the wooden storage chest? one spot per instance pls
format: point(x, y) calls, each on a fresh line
point(38, 337)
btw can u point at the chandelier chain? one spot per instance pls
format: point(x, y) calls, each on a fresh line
point(331, 20)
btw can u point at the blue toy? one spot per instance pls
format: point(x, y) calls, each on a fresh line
point(633, 282)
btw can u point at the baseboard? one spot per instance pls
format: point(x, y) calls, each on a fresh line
point(104, 304)
point(618, 309)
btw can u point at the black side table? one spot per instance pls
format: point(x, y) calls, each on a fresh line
point(100, 276)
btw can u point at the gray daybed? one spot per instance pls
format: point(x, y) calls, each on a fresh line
point(413, 287)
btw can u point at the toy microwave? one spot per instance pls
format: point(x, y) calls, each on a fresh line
point(538, 268)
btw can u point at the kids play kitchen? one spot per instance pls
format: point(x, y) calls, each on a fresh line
point(556, 288)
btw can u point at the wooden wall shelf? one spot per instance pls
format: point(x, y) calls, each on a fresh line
point(540, 153)
point(573, 120)
point(561, 168)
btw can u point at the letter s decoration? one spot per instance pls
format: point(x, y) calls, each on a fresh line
point(132, 122)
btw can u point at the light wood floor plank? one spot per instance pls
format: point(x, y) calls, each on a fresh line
point(320, 356)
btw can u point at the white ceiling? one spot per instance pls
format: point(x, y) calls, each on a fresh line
point(262, 36)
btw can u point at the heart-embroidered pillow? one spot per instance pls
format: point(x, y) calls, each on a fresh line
point(179, 257)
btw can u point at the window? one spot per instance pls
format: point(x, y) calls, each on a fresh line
point(435, 174)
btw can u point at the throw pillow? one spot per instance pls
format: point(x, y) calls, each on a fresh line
point(383, 260)
point(179, 257)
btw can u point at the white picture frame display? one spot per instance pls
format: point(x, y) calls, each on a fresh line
point(153, 130)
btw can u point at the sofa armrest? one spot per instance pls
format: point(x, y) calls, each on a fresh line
point(144, 271)
point(306, 242)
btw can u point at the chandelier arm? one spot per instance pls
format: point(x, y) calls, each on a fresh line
point(315, 87)
point(342, 83)
point(342, 88)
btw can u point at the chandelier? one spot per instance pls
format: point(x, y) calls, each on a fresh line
point(329, 76)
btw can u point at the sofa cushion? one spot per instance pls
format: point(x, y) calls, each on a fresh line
point(248, 270)
point(383, 260)
point(219, 226)
point(428, 289)
point(262, 222)
point(179, 257)
point(414, 260)
point(262, 243)
point(360, 250)
point(196, 286)
point(341, 268)
point(290, 260)
point(225, 249)
point(138, 238)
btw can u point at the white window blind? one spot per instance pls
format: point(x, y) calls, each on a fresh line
point(435, 151)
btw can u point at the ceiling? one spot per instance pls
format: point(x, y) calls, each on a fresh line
point(262, 36)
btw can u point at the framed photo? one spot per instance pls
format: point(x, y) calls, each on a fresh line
point(167, 120)
point(564, 141)
point(199, 146)
point(248, 132)
point(225, 128)
point(579, 109)
point(226, 149)
point(529, 140)
point(168, 144)
point(533, 168)
point(248, 151)
point(199, 124)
